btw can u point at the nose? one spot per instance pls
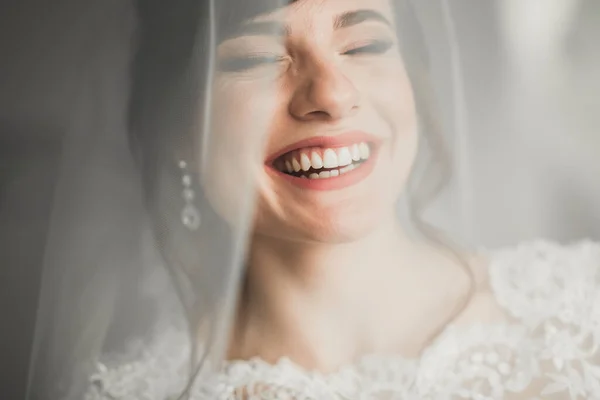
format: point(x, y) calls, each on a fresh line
point(324, 93)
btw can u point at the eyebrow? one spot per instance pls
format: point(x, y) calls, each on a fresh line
point(275, 28)
point(262, 28)
point(352, 18)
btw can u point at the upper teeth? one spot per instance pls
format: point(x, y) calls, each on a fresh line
point(317, 158)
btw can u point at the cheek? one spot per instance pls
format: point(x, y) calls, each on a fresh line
point(392, 97)
point(391, 91)
point(403, 159)
point(234, 153)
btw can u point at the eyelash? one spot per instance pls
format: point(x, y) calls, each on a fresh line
point(237, 64)
point(375, 47)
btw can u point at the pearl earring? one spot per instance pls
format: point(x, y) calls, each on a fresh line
point(190, 216)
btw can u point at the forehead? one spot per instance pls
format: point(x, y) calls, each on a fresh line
point(313, 12)
point(262, 18)
point(268, 17)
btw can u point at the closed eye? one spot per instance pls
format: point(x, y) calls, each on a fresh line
point(236, 64)
point(377, 47)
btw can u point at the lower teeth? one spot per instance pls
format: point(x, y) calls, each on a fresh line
point(331, 173)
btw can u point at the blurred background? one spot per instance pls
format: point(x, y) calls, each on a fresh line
point(521, 117)
point(520, 106)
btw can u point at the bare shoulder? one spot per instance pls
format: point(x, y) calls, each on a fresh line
point(482, 306)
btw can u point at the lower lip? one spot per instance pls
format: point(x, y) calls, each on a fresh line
point(333, 183)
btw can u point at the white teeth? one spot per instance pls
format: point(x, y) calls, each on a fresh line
point(355, 153)
point(314, 176)
point(288, 167)
point(316, 160)
point(364, 151)
point(344, 157)
point(347, 169)
point(296, 165)
point(339, 158)
point(330, 159)
point(334, 172)
point(324, 174)
point(304, 162)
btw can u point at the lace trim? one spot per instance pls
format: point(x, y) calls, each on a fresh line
point(552, 352)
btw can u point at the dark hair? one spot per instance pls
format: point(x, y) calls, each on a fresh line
point(169, 74)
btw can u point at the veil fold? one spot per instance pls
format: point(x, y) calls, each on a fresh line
point(152, 213)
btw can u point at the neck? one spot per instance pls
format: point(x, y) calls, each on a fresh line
point(324, 305)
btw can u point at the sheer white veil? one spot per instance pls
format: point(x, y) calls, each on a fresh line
point(138, 247)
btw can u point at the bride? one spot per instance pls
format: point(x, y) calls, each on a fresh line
point(324, 108)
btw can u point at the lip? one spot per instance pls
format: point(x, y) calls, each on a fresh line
point(333, 183)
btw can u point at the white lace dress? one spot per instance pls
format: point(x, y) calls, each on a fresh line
point(550, 352)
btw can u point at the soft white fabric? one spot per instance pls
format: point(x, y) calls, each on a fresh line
point(550, 352)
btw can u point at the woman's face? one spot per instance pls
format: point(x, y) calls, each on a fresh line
point(312, 106)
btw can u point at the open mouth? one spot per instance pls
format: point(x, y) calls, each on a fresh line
point(323, 163)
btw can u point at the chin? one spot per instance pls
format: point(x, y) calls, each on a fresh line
point(325, 228)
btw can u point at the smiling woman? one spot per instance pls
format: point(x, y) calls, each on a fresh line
point(276, 142)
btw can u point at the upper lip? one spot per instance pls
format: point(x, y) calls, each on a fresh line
point(331, 141)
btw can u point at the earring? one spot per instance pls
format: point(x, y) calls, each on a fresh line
point(190, 216)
